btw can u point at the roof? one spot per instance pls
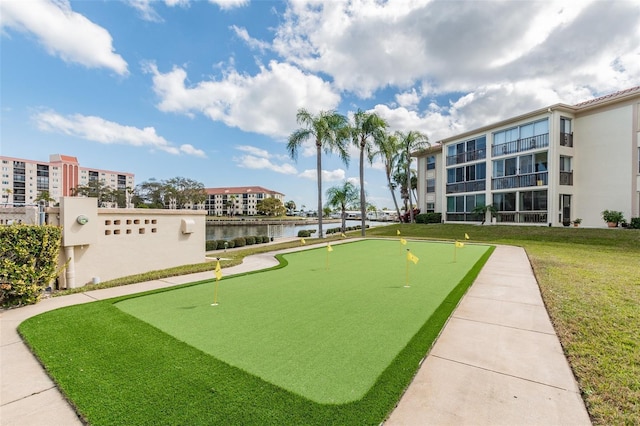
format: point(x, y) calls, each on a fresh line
point(241, 190)
point(583, 106)
point(54, 158)
point(611, 96)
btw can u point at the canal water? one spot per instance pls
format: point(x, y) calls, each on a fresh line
point(228, 232)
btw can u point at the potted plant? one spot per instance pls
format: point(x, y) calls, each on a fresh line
point(612, 218)
point(577, 222)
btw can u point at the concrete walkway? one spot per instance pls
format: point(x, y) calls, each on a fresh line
point(498, 360)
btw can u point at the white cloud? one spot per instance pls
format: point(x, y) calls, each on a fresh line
point(253, 43)
point(229, 4)
point(261, 159)
point(63, 32)
point(97, 129)
point(265, 103)
point(327, 175)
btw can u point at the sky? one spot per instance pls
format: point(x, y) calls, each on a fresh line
point(209, 90)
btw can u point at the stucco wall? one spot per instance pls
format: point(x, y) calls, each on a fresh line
point(604, 167)
point(114, 243)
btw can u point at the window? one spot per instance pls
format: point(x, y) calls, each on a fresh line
point(565, 164)
point(505, 202)
point(464, 203)
point(431, 162)
point(533, 200)
point(431, 185)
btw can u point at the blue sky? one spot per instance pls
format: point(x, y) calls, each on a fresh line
point(209, 89)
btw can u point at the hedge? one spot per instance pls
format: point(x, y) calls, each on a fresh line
point(429, 218)
point(28, 262)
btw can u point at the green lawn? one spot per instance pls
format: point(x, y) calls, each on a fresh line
point(332, 338)
point(590, 284)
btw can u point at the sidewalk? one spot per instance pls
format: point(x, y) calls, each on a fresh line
point(498, 360)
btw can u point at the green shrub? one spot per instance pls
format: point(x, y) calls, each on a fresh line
point(304, 233)
point(231, 243)
point(429, 218)
point(240, 241)
point(635, 223)
point(250, 240)
point(211, 245)
point(220, 244)
point(28, 262)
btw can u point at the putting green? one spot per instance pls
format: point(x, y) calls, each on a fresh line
point(326, 325)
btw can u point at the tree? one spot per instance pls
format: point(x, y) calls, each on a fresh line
point(387, 147)
point(290, 206)
point(150, 194)
point(329, 130)
point(340, 197)
point(366, 127)
point(483, 209)
point(231, 204)
point(185, 192)
point(410, 141)
point(270, 207)
point(96, 188)
point(44, 196)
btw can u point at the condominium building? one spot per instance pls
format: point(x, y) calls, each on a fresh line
point(548, 167)
point(24, 180)
point(240, 200)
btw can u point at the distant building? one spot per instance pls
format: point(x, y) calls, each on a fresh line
point(24, 180)
point(546, 167)
point(240, 200)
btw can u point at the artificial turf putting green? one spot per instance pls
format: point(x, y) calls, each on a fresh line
point(325, 326)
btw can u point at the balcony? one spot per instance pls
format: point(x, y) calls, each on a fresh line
point(520, 145)
point(471, 186)
point(520, 181)
point(566, 178)
point(464, 217)
point(478, 154)
point(522, 217)
point(566, 139)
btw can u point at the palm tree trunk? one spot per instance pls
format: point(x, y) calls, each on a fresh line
point(363, 203)
point(319, 166)
point(409, 187)
point(393, 194)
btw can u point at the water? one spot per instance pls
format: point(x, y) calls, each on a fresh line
point(228, 232)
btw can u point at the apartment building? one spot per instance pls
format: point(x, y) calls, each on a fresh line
point(240, 200)
point(548, 167)
point(24, 180)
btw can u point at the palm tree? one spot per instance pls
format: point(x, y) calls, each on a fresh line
point(411, 141)
point(45, 196)
point(388, 148)
point(483, 209)
point(330, 132)
point(340, 197)
point(366, 127)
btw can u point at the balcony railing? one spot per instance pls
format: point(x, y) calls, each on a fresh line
point(566, 139)
point(566, 178)
point(520, 145)
point(471, 186)
point(464, 217)
point(522, 217)
point(520, 181)
point(464, 157)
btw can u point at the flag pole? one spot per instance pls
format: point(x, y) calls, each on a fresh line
point(406, 281)
point(218, 273)
point(455, 250)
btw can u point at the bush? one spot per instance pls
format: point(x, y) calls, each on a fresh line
point(240, 241)
point(429, 218)
point(635, 223)
point(231, 243)
point(250, 240)
point(211, 245)
point(304, 233)
point(28, 262)
point(220, 244)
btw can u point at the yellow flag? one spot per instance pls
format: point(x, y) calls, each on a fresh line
point(459, 244)
point(218, 271)
point(403, 241)
point(398, 232)
point(466, 236)
point(412, 257)
point(329, 248)
point(342, 234)
point(303, 241)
